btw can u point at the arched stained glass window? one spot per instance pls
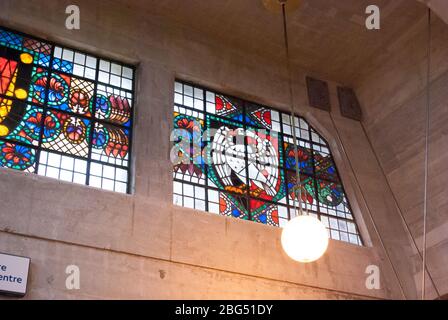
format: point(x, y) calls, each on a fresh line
point(237, 158)
point(64, 114)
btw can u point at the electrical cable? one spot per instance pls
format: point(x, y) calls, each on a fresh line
point(293, 117)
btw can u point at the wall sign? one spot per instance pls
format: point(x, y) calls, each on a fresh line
point(13, 274)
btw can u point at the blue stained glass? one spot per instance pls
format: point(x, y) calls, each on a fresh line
point(10, 39)
point(251, 174)
point(44, 60)
point(250, 121)
point(62, 143)
point(62, 65)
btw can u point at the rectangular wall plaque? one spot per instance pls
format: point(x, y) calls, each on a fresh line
point(13, 274)
point(318, 94)
point(349, 104)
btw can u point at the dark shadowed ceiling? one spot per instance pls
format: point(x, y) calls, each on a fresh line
point(327, 36)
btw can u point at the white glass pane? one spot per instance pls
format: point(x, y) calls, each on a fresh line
point(177, 187)
point(108, 184)
point(210, 96)
point(127, 72)
point(79, 178)
point(177, 200)
point(213, 196)
point(67, 163)
point(115, 80)
point(109, 172)
point(188, 101)
point(188, 190)
point(199, 193)
point(96, 169)
point(178, 98)
point(78, 70)
point(80, 166)
point(121, 175)
point(41, 170)
point(89, 73)
point(103, 77)
point(126, 84)
point(58, 52)
point(91, 62)
point(80, 58)
point(198, 93)
point(188, 202)
point(95, 182)
point(104, 65)
point(115, 69)
point(66, 175)
point(54, 159)
point(43, 157)
point(188, 90)
point(120, 187)
point(200, 204)
point(213, 207)
point(52, 172)
point(67, 55)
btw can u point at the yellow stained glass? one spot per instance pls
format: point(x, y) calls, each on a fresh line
point(3, 130)
point(21, 94)
point(26, 58)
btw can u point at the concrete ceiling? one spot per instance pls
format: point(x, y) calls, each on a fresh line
point(440, 7)
point(327, 37)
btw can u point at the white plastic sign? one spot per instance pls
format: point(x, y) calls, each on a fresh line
point(13, 274)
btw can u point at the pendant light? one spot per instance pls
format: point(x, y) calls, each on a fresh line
point(304, 238)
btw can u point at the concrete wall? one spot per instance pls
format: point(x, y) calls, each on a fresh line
point(393, 95)
point(140, 245)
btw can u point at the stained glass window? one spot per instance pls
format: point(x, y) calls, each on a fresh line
point(236, 158)
point(64, 113)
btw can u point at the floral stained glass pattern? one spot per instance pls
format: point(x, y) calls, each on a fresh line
point(188, 152)
point(237, 158)
point(17, 157)
point(64, 114)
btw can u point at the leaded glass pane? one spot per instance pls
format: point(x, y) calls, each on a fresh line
point(237, 158)
point(64, 113)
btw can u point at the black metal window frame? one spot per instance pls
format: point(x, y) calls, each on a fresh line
point(93, 119)
point(318, 213)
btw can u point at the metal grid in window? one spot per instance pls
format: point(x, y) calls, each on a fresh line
point(237, 158)
point(65, 113)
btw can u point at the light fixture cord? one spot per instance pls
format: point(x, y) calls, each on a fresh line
point(293, 118)
point(427, 128)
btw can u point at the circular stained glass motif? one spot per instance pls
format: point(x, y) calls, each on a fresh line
point(100, 136)
point(103, 108)
point(57, 90)
point(16, 156)
point(79, 102)
point(32, 126)
point(75, 130)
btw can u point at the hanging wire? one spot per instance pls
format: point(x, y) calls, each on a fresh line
point(369, 211)
point(298, 188)
point(427, 128)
